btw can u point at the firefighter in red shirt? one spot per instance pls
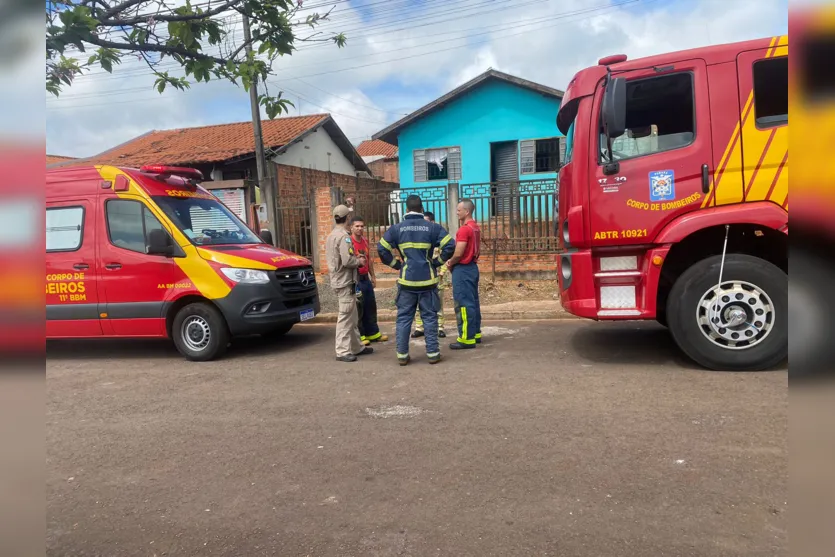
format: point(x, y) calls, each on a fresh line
point(369, 330)
point(464, 267)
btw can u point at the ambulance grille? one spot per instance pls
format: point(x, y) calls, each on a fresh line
point(296, 282)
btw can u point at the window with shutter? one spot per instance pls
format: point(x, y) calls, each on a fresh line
point(540, 155)
point(420, 165)
point(443, 163)
point(562, 152)
point(527, 151)
point(454, 164)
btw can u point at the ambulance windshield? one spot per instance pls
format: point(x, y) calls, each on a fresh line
point(206, 221)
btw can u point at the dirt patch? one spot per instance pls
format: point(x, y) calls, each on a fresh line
point(491, 292)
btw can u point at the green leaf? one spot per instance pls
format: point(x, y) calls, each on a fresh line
point(273, 24)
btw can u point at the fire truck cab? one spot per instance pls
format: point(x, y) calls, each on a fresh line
point(150, 253)
point(673, 201)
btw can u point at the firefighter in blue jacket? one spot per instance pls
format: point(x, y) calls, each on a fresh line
point(416, 239)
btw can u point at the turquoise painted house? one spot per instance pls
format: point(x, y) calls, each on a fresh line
point(495, 134)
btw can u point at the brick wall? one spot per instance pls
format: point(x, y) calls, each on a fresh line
point(386, 169)
point(370, 197)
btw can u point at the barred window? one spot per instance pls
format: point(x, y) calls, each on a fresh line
point(541, 155)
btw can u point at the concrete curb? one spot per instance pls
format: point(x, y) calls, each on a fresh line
point(388, 316)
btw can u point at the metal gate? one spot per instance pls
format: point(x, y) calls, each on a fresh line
point(372, 204)
point(294, 222)
point(527, 226)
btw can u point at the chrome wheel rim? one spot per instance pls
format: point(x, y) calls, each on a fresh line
point(737, 316)
point(196, 333)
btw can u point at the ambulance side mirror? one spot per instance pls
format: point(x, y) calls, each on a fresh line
point(266, 236)
point(159, 243)
point(614, 108)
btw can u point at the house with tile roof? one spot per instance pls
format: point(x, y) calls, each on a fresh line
point(494, 128)
point(227, 151)
point(225, 154)
point(494, 137)
point(382, 158)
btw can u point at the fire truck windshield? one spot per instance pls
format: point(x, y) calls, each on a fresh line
point(206, 221)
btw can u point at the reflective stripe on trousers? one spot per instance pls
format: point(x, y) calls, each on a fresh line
point(467, 305)
point(407, 302)
point(368, 314)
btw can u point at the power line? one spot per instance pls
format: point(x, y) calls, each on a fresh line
point(612, 6)
point(350, 100)
point(515, 25)
point(309, 101)
point(217, 52)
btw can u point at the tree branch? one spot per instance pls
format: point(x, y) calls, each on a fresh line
point(121, 7)
point(168, 18)
point(150, 47)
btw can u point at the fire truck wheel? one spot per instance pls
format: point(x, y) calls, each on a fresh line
point(200, 332)
point(741, 325)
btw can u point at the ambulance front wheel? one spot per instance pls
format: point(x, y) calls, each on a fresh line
point(200, 332)
point(738, 325)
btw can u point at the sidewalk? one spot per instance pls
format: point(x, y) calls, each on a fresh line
point(540, 309)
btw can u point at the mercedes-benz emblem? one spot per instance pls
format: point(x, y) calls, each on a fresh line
point(305, 279)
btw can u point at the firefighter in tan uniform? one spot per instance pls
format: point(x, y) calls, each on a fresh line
point(343, 265)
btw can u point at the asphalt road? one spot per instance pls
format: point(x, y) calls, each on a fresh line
point(553, 438)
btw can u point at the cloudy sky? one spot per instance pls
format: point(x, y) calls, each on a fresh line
point(402, 54)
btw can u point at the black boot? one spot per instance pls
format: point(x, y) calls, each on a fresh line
point(461, 346)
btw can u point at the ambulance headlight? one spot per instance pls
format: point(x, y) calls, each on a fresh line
point(246, 276)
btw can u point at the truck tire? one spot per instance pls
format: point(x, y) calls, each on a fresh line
point(749, 313)
point(199, 332)
point(811, 350)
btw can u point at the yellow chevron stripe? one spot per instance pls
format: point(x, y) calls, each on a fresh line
point(759, 179)
point(757, 172)
point(731, 162)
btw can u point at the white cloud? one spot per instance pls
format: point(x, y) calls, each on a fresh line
point(547, 46)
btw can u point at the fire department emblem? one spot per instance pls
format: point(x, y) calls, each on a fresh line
point(662, 185)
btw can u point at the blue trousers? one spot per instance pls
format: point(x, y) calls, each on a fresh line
point(408, 301)
point(467, 304)
point(368, 313)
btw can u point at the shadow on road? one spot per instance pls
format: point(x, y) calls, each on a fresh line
point(629, 343)
point(161, 349)
point(634, 343)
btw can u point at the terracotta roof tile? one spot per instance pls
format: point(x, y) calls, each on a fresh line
point(204, 144)
point(373, 147)
point(52, 159)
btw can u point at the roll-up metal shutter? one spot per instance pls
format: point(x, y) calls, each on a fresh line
point(506, 172)
point(217, 220)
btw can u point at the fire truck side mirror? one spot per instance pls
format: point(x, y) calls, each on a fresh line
point(614, 108)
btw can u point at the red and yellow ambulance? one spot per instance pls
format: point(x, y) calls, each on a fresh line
point(150, 253)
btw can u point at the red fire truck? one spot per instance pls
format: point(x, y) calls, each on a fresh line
point(673, 200)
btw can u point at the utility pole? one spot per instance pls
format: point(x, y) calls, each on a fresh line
point(264, 182)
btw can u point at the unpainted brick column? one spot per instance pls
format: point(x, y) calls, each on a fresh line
point(321, 193)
